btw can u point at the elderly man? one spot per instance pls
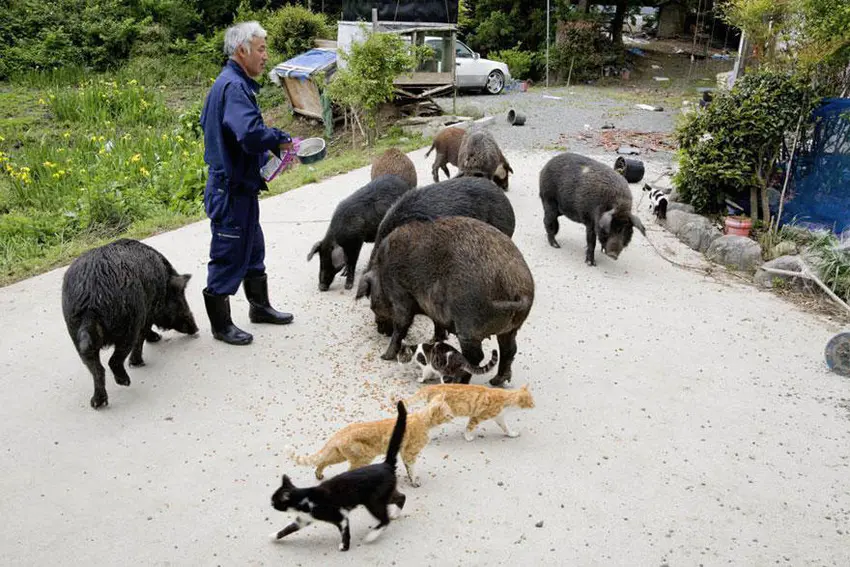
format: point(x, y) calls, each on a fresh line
point(237, 143)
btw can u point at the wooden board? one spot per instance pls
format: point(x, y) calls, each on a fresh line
point(304, 96)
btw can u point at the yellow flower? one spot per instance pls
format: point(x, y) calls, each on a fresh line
point(82, 172)
point(144, 172)
point(133, 82)
point(41, 101)
point(164, 137)
point(94, 138)
point(66, 135)
point(135, 158)
point(55, 176)
point(48, 164)
point(101, 139)
point(61, 172)
point(180, 139)
point(25, 169)
point(2, 139)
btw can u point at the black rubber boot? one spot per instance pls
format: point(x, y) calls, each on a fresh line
point(223, 329)
point(261, 311)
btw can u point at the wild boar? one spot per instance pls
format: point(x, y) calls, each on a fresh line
point(113, 295)
point(479, 156)
point(592, 193)
point(395, 162)
point(355, 221)
point(466, 275)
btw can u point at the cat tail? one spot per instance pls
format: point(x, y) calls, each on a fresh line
point(472, 369)
point(304, 460)
point(397, 436)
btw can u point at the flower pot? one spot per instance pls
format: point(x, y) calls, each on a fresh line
point(740, 226)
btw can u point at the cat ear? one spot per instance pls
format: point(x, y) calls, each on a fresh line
point(286, 483)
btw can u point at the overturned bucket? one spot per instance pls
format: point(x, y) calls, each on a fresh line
point(515, 118)
point(631, 169)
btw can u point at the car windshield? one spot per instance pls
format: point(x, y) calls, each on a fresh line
point(462, 51)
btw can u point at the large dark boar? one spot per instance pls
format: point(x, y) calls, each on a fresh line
point(592, 193)
point(473, 197)
point(355, 221)
point(113, 295)
point(464, 274)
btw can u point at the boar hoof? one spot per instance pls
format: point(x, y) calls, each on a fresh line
point(99, 400)
point(122, 380)
point(137, 363)
point(553, 243)
point(590, 261)
point(152, 337)
point(349, 284)
point(388, 356)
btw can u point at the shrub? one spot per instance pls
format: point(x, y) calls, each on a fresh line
point(734, 144)
point(581, 46)
point(292, 29)
point(372, 66)
point(519, 62)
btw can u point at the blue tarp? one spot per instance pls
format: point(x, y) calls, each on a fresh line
point(303, 65)
point(819, 196)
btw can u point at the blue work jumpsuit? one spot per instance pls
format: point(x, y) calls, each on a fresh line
point(236, 142)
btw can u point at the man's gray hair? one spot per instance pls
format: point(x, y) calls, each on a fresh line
point(242, 34)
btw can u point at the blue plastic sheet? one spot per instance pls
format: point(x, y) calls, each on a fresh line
point(819, 196)
point(303, 65)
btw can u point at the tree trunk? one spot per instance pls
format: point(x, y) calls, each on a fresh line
point(617, 22)
point(754, 203)
point(765, 206)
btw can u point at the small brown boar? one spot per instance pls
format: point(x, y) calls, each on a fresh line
point(395, 162)
point(447, 143)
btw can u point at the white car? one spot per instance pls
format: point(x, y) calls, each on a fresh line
point(473, 72)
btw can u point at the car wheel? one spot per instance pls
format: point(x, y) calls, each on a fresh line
point(495, 82)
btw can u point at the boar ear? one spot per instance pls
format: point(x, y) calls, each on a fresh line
point(338, 257)
point(179, 282)
point(315, 249)
point(605, 220)
point(365, 287)
point(286, 483)
point(638, 224)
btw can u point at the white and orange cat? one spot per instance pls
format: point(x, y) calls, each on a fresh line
point(478, 403)
point(360, 443)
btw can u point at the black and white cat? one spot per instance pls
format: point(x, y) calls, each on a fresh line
point(372, 486)
point(442, 360)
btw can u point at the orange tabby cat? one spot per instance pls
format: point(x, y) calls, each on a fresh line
point(478, 403)
point(360, 443)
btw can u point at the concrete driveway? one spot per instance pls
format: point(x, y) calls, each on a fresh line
point(680, 420)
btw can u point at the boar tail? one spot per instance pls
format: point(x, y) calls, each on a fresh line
point(520, 304)
point(87, 337)
point(430, 150)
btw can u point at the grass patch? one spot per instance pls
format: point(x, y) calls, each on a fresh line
point(87, 158)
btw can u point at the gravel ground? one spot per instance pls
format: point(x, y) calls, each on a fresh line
point(553, 124)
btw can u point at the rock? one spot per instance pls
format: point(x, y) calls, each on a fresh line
point(789, 263)
point(738, 252)
point(694, 230)
point(539, 524)
point(673, 195)
point(784, 248)
point(674, 206)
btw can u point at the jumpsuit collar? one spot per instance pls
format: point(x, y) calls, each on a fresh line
point(255, 86)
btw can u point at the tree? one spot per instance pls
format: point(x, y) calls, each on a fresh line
point(366, 82)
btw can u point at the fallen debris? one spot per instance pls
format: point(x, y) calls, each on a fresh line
point(614, 139)
point(649, 107)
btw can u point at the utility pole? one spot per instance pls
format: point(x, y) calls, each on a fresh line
point(547, 43)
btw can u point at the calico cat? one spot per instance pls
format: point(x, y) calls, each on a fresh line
point(360, 443)
point(443, 361)
point(372, 486)
point(478, 403)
